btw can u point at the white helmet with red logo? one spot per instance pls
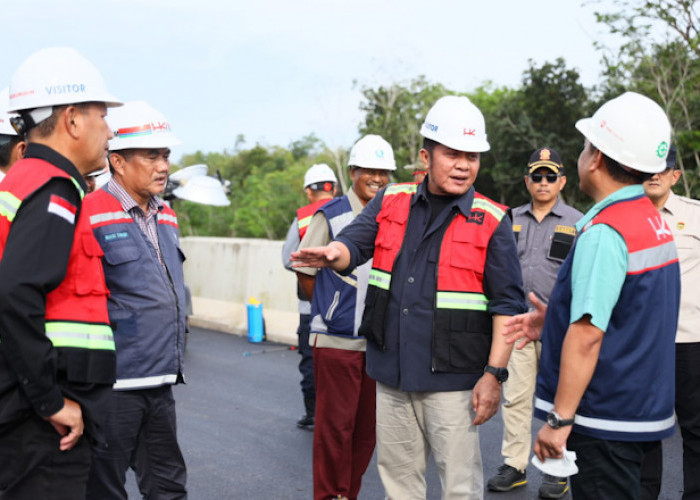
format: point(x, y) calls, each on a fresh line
point(372, 151)
point(137, 125)
point(632, 130)
point(455, 122)
point(53, 77)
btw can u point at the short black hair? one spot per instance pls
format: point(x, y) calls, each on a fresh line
point(6, 150)
point(621, 173)
point(429, 146)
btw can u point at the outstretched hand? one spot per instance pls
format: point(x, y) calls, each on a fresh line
point(315, 256)
point(527, 326)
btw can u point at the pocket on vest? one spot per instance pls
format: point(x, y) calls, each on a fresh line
point(374, 315)
point(124, 270)
point(89, 264)
point(461, 341)
point(90, 366)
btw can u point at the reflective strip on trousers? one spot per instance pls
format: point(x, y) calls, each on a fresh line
point(462, 300)
point(80, 335)
point(380, 279)
point(9, 204)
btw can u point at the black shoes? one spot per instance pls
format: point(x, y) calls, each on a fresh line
point(507, 478)
point(307, 421)
point(553, 487)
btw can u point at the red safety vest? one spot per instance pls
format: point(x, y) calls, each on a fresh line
point(76, 311)
point(460, 303)
point(462, 252)
point(304, 215)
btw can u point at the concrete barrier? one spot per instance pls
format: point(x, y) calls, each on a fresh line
point(224, 273)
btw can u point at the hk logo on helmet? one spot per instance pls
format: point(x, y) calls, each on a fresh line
point(379, 153)
point(471, 132)
point(431, 127)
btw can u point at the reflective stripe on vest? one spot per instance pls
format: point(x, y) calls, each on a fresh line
point(651, 258)
point(380, 279)
point(109, 218)
point(338, 222)
point(80, 335)
point(303, 224)
point(462, 300)
point(9, 204)
point(169, 219)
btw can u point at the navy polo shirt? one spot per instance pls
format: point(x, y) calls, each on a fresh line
point(406, 363)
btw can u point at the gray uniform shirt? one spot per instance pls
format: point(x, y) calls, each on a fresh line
point(543, 246)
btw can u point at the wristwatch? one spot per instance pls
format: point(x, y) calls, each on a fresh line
point(501, 374)
point(555, 421)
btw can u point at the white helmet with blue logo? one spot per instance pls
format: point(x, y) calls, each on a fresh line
point(455, 122)
point(137, 125)
point(372, 151)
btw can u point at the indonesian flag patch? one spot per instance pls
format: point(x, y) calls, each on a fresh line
point(63, 208)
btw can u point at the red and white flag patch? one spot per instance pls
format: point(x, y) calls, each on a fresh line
point(63, 208)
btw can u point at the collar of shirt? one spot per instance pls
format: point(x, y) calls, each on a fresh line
point(42, 152)
point(128, 203)
point(621, 194)
point(671, 204)
point(555, 210)
point(355, 202)
point(463, 202)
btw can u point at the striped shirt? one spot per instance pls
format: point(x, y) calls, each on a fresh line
point(147, 222)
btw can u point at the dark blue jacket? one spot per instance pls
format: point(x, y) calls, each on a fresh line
point(631, 394)
point(147, 301)
point(407, 361)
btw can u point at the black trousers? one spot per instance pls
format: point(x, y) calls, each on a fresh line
point(306, 364)
point(607, 469)
point(688, 415)
point(33, 467)
point(141, 433)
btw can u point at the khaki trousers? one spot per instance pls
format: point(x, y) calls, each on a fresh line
point(518, 392)
point(411, 425)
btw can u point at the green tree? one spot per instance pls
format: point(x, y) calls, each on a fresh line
point(541, 112)
point(660, 58)
point(396, 112)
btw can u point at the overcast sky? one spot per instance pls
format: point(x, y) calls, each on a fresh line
point(277, 70)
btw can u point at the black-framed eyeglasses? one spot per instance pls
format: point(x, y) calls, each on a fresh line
point(550, 176)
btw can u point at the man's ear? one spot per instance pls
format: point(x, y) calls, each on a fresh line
point(562, 180)
point(424, 157)
point(70, 118)
point(676, 176)
point(117, 162)
point(18, 151)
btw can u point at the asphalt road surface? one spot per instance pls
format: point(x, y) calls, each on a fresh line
point(236, 420)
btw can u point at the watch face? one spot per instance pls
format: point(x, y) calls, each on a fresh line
point(552, 420)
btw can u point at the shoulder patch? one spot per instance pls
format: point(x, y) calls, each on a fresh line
point(63, 208)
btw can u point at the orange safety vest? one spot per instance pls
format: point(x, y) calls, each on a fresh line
point(460, 303)
point(76, 310)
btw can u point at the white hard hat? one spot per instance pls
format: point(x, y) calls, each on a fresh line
point(6, 127)
point(372, 151)
point(57, 76)
point(632, 130)
point(319, 172)
point(203, 189)
point(455, 122)
point(138, 125)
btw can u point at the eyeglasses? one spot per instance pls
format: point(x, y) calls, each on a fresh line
point(551, 177)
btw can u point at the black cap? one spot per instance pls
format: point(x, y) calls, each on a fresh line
point(671, 158)
point(547, 158)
